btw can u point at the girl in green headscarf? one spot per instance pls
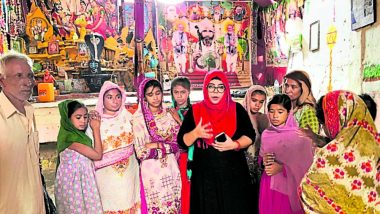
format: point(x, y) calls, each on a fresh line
point(75, 185)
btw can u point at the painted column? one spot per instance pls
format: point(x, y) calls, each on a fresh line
point(139, 39)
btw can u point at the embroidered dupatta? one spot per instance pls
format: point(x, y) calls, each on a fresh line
point(160, 127)
point(116, 130)
point(150, 118)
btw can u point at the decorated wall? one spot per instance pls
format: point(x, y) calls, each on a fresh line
point(87, 41)
point(354, 59)
point(90, 41)
point(196, 37)
point(278, 38)
point(94, 40)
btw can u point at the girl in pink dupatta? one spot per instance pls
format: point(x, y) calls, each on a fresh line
point(286, 156)
point(155, 133)
point(117, 173)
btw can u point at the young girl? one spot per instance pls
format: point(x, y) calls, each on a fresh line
point(75, 186)
point(254, 100)
point(180, 90)
point(155, 133)
point(117, 174)
point(286, 158)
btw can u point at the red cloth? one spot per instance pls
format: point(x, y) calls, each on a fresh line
point(222, 115)
point(48, 78)
point(185, 192)
point(331, 113)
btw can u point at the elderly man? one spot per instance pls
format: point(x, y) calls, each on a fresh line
point(20, 180)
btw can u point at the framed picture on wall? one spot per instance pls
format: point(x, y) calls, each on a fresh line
point(16, 45)
point(82, 49)
point(32, 50)
point(53, 47)
point(363, 13)
point(314, 36)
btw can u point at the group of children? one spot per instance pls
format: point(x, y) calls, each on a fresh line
point(98, 153)
point(277, 159)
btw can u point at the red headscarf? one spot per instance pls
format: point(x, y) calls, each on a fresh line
point(222, 115)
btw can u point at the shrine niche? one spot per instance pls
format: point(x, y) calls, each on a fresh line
point(56, 31)
point(32, 49)
point(38, 27)
point(194, 38)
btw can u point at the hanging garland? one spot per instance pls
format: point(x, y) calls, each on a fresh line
point(3, 12)
point(3, 27)
point(15, 18)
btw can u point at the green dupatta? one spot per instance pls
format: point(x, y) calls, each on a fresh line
point(68, 134)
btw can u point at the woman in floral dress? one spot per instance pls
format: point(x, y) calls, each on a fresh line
point(117, 174)
point(155, 133)
point(75, 189)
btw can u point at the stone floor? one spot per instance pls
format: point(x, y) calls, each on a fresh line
point(48, 156)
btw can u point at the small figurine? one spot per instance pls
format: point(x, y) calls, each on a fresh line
point(48, 78)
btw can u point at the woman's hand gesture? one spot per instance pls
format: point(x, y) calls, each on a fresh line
point(229, 144)
point(307, 133)
point(203, 131)
point(317, 140)
point(152, 146)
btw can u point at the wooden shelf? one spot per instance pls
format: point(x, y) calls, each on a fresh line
point(70, 47)
point(44, 56)
point(115, 69)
